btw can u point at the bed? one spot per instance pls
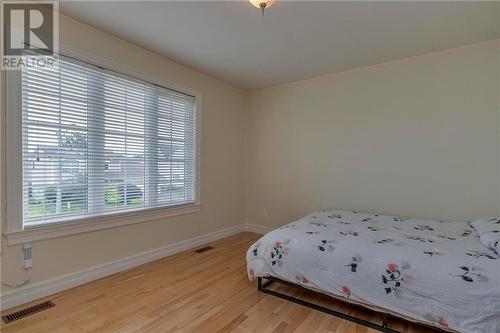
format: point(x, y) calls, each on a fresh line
point(432, 272)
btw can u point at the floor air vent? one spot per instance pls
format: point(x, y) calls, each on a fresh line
point(203, 249)
point(27, 312)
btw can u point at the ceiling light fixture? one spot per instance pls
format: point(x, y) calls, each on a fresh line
point(262, 4)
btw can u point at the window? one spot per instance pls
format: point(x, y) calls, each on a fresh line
point(95, 142)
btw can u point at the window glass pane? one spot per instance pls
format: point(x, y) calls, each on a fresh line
point(124, 109)
point(55, 143)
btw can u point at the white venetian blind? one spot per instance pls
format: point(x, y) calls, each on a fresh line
point(96, 142)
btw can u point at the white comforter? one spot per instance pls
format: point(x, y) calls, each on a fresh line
point(433, 272)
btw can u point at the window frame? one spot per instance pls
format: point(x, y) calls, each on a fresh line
point(16, 232)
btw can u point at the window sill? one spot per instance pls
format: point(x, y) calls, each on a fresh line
point(94, 224)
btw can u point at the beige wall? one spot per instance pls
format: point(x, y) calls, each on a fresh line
point(222, 126)
point(416, 137)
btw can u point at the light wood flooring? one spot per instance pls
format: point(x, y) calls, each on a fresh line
point(189, 292)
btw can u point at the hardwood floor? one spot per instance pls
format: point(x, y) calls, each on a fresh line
point(188, 292)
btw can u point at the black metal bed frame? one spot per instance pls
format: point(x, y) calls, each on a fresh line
point(262, 287)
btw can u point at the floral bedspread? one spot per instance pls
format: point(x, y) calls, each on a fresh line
point(434, 272)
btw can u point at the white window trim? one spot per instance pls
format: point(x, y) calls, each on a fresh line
point(15, 231)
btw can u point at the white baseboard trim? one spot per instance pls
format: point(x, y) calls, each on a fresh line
point(256, 228)
point(45, 288)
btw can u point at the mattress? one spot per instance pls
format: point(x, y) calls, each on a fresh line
point(434, 272)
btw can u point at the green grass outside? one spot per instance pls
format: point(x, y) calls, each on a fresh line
point(37, 209)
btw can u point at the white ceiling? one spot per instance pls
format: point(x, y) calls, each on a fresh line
point(295, 40)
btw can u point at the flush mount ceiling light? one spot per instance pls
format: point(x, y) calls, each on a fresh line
point(262, 4)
